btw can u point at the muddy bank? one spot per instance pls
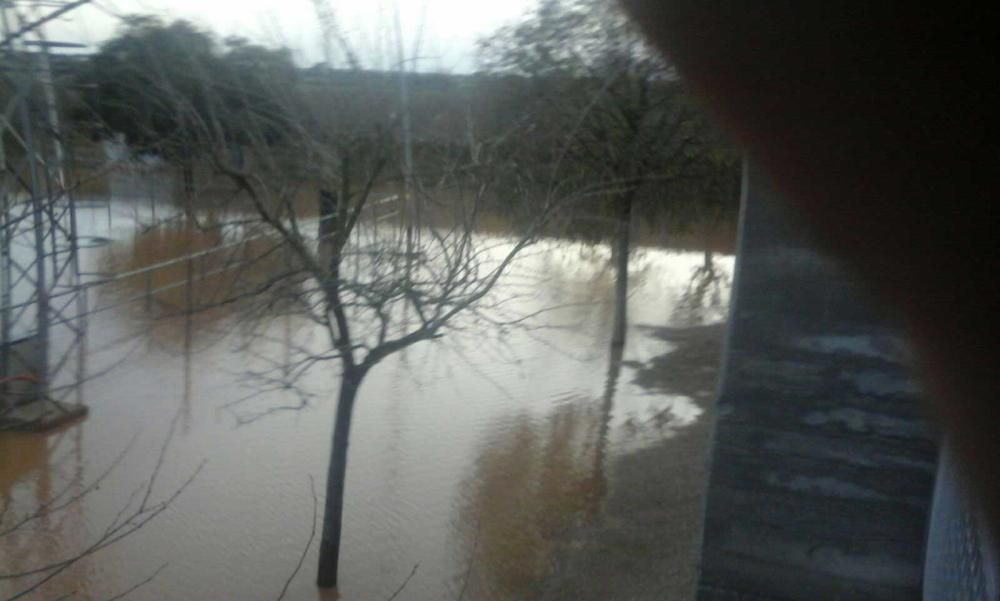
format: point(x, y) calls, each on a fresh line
point(643, 544)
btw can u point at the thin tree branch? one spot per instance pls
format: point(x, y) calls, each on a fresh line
point(305, 551)
point(405, 582)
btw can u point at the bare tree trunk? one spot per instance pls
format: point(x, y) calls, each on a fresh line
point(621, 268)
point(328, 210)
point(329, 549)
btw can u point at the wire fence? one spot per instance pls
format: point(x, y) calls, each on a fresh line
point(961, 560)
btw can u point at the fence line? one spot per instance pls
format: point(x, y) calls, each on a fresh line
point(149, 293)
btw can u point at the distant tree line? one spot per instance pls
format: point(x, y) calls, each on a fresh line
point(236, 86)
point(603, 115)
point(570, 95)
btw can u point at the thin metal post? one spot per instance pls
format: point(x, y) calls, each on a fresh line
point(41, 284)
point(188, 333)
point(5, 290)
point(6, 262)
point(67, 163)
point(189, 291)
point(409, 208)
point(82, 294)
point(52, 113)
point(48, 183)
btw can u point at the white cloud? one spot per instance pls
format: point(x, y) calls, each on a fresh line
point(450, 27)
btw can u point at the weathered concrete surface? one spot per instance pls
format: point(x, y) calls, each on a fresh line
point(822, 466)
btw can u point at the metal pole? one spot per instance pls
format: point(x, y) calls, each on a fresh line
point(52, 113)
point(41, 283)
point(5, 291)
point(82, 294)
point(61, 155)
point(189, 292)
point(43, 203)
point(9, 37)
point(409, 207)
point(5, 258)
point(188, 333)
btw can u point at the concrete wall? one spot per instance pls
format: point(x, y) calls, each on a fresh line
point(822, 467)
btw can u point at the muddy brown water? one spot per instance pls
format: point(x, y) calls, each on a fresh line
point(471, 457)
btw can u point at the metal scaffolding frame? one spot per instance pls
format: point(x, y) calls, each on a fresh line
point(42, 302)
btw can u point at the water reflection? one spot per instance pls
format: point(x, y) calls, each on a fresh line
point(486, 450)
point(705, 293)
point(23, 456)
point(642, 545)
point(539, 482)
point(529, 486)
point(606, 417)
point(40, 522)
point(188, 298)
point(689, 369)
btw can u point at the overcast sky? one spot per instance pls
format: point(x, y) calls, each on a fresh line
point(450, 27)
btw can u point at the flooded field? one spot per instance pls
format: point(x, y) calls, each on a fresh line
point(483, 465)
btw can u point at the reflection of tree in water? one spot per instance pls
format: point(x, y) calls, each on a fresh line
point(703, 297)
point(38, 520)
point(607, 408)
point(541, 519)
point(210, 282)
point(231, 274)
point(530, 485)
point(643, 542)
point(23, 455)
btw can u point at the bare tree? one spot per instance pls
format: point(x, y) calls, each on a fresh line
point(375, 289)
point(594, 88)
point(304, 186)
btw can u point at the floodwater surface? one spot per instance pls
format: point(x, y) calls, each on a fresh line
point(473, 458)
